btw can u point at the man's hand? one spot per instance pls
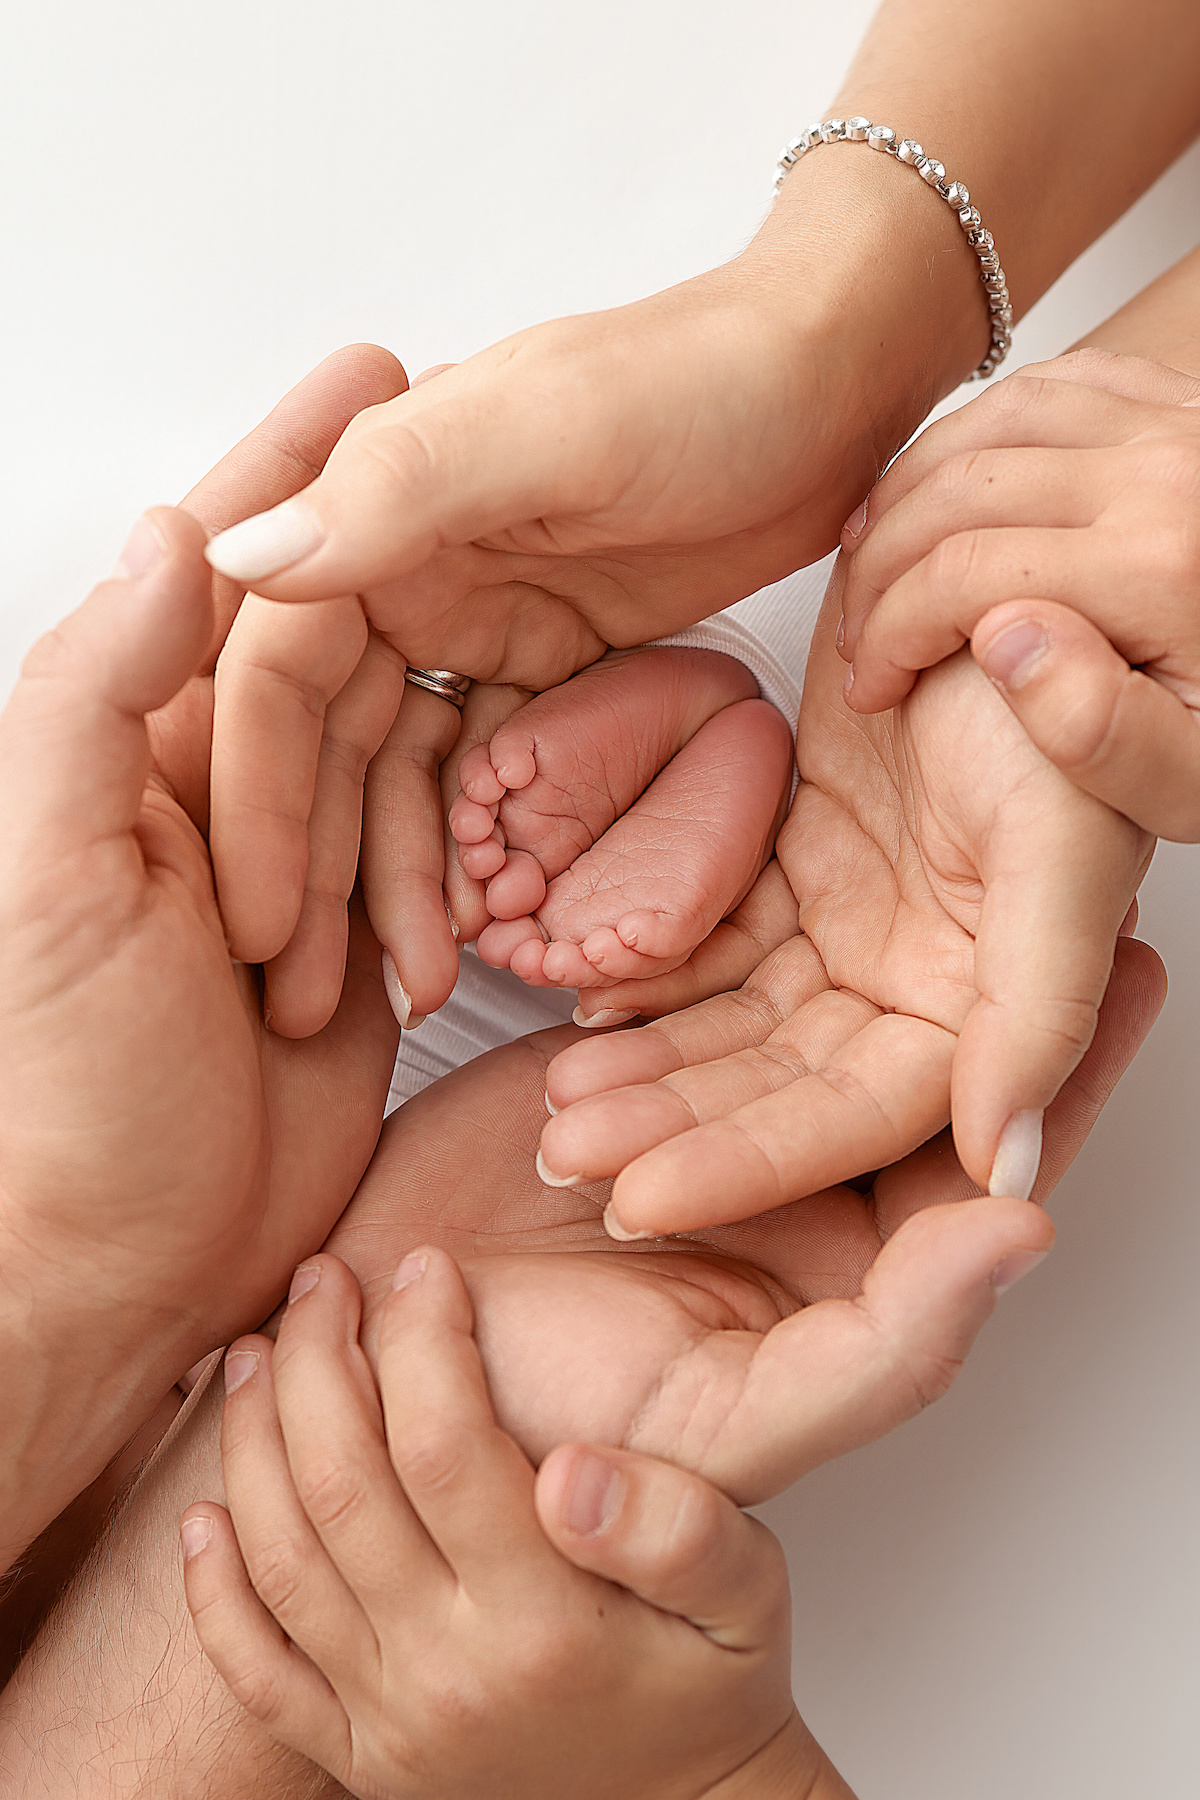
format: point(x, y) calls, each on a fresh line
point(959, 899)
point(163, 1157)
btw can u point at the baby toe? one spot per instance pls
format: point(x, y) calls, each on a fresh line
point(469, 822)
point(478, 779)
point(608, 959)
point(482, 861)
point(519, 888)
point(658, 935)
point(512, 756)
point(500, 941)
point(565, 965)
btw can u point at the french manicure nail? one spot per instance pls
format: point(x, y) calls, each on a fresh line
point(617, 1231)
point(848, 684)
point(239, 1367)
point(1011, 657)
point(411, 1269)
point(550, 1178)
point(596, 1493)
point(1018, 1156)
point(303, 1281)
point(551, 1108)
point(142, 551)
point(840, 640)
point(607, 1015)
point(267, 543)
point(401, 1005)
point(856, 521)
point(194, 1535)
point(1009, 1270)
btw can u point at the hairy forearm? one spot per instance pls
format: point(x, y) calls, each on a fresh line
point(1056, 116)
point(116, 1698)
point(1162, 322)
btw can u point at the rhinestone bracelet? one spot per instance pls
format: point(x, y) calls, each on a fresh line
point(882, 137)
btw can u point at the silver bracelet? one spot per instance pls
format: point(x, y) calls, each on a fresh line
point(882, 137)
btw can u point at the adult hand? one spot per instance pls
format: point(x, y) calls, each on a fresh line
point(1054, 524)
point(749, 1353)
point(163, 1157)
point(959, 900)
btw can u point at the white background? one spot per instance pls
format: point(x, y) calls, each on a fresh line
point(197, 204)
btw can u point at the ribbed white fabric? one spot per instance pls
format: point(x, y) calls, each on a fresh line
point(770, 633)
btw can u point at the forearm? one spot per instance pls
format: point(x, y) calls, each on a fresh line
point(1162, 322)
point(116, 1697)
point(1055, 116)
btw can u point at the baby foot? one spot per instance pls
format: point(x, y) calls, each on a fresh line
point(619, 817)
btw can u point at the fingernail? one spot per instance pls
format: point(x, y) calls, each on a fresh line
point(551, 1108)
point(1011, 658)
point(607, 1015)
point(143, 549)
point(303, 1281)
point(194, 1535)
point(549, 1178)
point(1009, 1270)
point(617, 1231)
point(410, 1270)
point(239, 1367)
point(595, 1496)
point(840, 640)
point(267, 543)
point(454, 931)
point(858, 518)
point(848, 684)
point(1018, 1156)
point(401, 1005)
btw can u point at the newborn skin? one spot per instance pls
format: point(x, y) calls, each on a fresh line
point(618, 818)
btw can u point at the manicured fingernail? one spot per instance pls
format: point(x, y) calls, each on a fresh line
point(607, 1015)
point(143, 549)
point(401, 1005)
point(595, 1496)
point(454, 931)
point(1009, 1270)
point(1011, 658)
point(267, 543)
point(239, 1367)
point(304, 1281)
point(840, 640)
point(1018, 1156)
point(848, 684)
point(550, 1178)
point(410, 1270)
point(551, 1108)
point(194, 1535)
point(858, 518)
point(617, 1231)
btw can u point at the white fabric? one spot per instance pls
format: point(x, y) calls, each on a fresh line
point(770, 633)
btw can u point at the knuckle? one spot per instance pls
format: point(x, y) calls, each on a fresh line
point(329, 1492)
point(1173, 465)
point(274, 1571)
point(954, 563)
point(257, 1691)
point(433, 1457)
point(1012, 399)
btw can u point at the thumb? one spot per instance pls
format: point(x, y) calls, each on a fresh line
point(454, 459)
point(668, 1536)
point(841, 1373)
point(1117, 732)
point(73, 746)
point(1059, 874)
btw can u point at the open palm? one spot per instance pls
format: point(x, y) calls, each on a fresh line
point(959, 902)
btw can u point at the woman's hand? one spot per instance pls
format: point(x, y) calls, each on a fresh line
point(1054, 524)
point(407, 1604)
point(959, 901)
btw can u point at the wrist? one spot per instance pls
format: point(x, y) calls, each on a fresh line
point(870, 274)
point(792, 1766)
point(81, 1375)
